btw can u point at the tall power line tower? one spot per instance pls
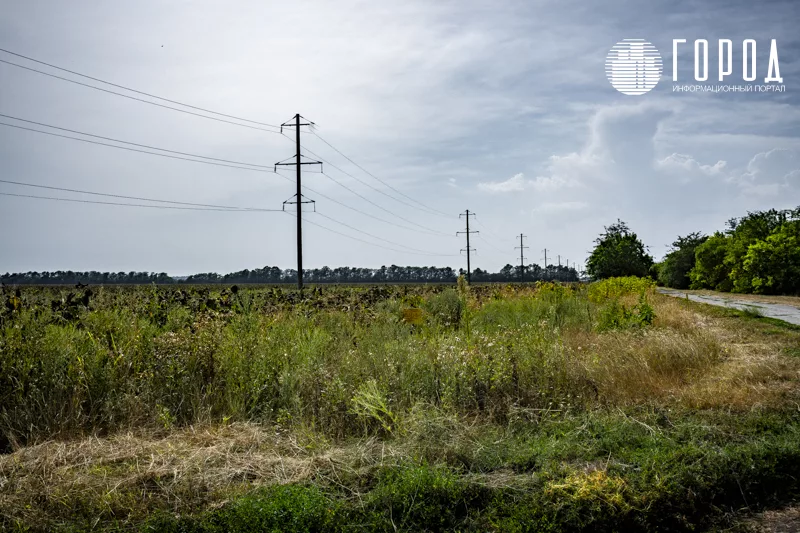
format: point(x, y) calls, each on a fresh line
point(467, 214)
point(298, 197)
point(545, 264)
point(521, 257)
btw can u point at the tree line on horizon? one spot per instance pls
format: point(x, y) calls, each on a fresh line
point(276, 275)
point(757, 253)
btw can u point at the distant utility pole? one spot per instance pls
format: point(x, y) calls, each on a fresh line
point(545, 263)
point(299, 195)
point(521, 258)
point(559, 261)
point(468, 249)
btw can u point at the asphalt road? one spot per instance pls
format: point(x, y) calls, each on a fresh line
point(787, 313)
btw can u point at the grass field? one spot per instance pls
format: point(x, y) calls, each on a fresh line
point(492, 408)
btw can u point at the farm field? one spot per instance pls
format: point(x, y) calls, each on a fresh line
point(546, 407)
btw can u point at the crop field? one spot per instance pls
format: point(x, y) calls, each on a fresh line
point(546, 407)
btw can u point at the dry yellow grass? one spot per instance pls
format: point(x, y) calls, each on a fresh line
point(777, 521)
point(696, 360)
point(192, 466)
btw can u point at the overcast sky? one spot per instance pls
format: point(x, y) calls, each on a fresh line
point(501, 107)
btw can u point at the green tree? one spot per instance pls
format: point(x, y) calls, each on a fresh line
point(618, 252)
point(755, 227)
point(674, 270)
point(772, 266)
point(710, 270)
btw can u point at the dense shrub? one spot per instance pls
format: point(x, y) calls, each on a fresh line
point(757, 253)
point(674, 270)
point(614, 288)
point(618, 252)
point(772, 266)
point(710, 270)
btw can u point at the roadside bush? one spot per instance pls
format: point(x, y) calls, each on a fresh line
point(445, 308)
point(616, 315)
point(614, 288)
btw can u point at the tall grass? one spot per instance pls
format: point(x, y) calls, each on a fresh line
point(512, 408)
point(167, 364)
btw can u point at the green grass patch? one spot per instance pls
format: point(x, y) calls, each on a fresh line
point(600, 472)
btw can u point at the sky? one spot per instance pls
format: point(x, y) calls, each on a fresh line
point(500, 107)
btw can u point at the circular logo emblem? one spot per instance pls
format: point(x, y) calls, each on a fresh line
point(633, 66)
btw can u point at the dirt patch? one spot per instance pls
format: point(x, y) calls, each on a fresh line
point(781, 521)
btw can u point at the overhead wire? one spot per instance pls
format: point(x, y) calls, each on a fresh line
point(132, 143)
point(428, 230)
point(204, 162)
point(423, 209)
point(354, 238)
point(109, 195)
point(376, 177)
point(191, 206)
point(77, 200)
point(210, 160)
point(137, 91)
point(135, 149)
point(359, 211)
point(490, 245)
point(417, 250)
point(135, 98)
point(490, 232)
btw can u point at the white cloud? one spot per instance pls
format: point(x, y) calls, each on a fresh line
point(770, 174)
point(775, 164)
point(557, 207)
point(683, 162)
point(425, 105)
point(518, 183)
point(515, 183)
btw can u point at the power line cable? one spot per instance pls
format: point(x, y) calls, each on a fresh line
point(490, 232)
point(132, 143)
point(427, 229)
point(78, 191)
point(359, 211)
point(222, 165)
point(135, 150)
point(423, 209)
point(136, 91)
point(353, 238)
point(356, 210)
point(490, 245)
point(130, 205)
point(419, 252)
point(134, 98)
point(376, 177)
